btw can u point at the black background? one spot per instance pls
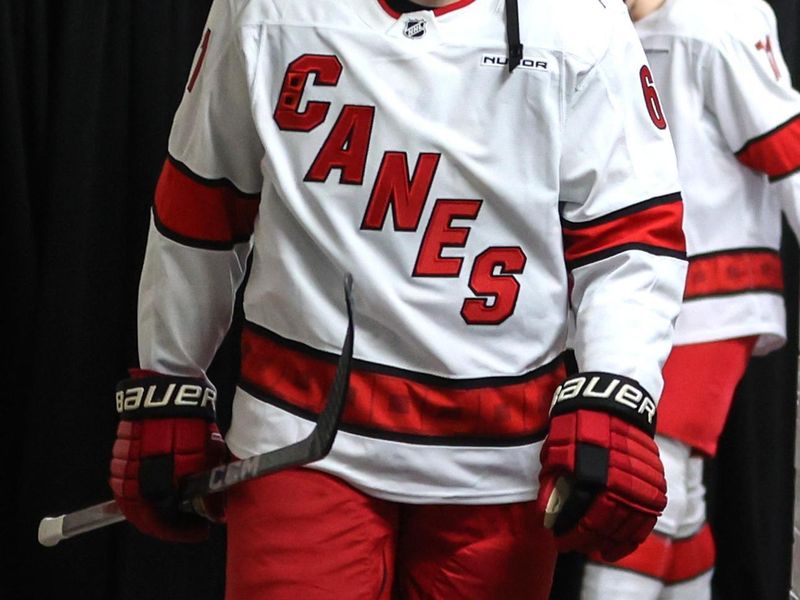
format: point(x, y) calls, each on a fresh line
point(87, 94)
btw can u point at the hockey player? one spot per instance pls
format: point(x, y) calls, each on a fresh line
point(478, 168)
point(735, 120)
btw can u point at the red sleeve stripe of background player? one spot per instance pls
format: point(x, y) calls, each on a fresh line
point(776, 153)
point(397, 404)
point(654, 226)
point(669, 560)
point(204, 213)
point(737, 271)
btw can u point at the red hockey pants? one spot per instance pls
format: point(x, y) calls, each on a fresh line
point(305, 535)
point(699, 384)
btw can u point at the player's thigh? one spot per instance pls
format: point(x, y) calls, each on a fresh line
point(305, 535)
point(477, 552)
point(676, 458)
point(607, 582)
point(642, 574)
point(698, 588)
point(694, 516)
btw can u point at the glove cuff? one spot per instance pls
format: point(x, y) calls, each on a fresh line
point(165, 396)
point(617, 395)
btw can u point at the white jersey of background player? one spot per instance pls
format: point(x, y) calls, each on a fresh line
point(735, 120)
point(472, 205)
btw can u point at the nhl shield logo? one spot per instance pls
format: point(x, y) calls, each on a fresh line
point(414, 28)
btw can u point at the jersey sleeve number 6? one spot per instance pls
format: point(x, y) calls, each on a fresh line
point(651, 98)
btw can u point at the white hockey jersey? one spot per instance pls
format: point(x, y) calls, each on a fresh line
point(333, 136)
point(735, 120)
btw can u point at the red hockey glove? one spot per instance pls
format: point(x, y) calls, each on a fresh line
point(166, 431)
point(601, 442)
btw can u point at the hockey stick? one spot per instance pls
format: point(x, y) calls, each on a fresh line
point(556, 502)
point(314, 447)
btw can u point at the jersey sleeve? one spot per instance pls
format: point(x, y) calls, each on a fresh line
point(621, 216)
point(748, 90)
point(206, 203)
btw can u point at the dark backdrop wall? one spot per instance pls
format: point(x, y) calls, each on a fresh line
point(87, 93)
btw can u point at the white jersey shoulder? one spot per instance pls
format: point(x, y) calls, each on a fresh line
point(581, 28)
point(718, 23)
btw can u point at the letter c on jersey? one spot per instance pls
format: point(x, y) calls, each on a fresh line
point(327, 70)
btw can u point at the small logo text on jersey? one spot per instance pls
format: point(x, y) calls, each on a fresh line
point(495, 60)
point(415, 28)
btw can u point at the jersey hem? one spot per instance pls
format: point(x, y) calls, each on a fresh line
point(501, 498)
point(769, 339)
point(525, 495)
point(395, 471)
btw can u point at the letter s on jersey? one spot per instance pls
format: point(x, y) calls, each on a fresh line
point(502, 286)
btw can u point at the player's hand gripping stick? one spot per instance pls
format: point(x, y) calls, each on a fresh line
point(196, 487)
point(602, 481)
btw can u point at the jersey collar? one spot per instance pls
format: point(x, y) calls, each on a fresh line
point(442, 10)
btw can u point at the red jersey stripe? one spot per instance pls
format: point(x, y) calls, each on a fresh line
point(734, 272)
point(396, 404)
point(691, 557)
point(777, 152)
point(202, 212)
point(654, 226)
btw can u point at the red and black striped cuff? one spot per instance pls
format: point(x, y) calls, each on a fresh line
point(203, 213)
point(654, 226)
point(776, 152)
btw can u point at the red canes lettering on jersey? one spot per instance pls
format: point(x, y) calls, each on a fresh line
point(441, 234)
point(502, 287)
point(327, 70)
point(407, 196)
point(346, 148)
